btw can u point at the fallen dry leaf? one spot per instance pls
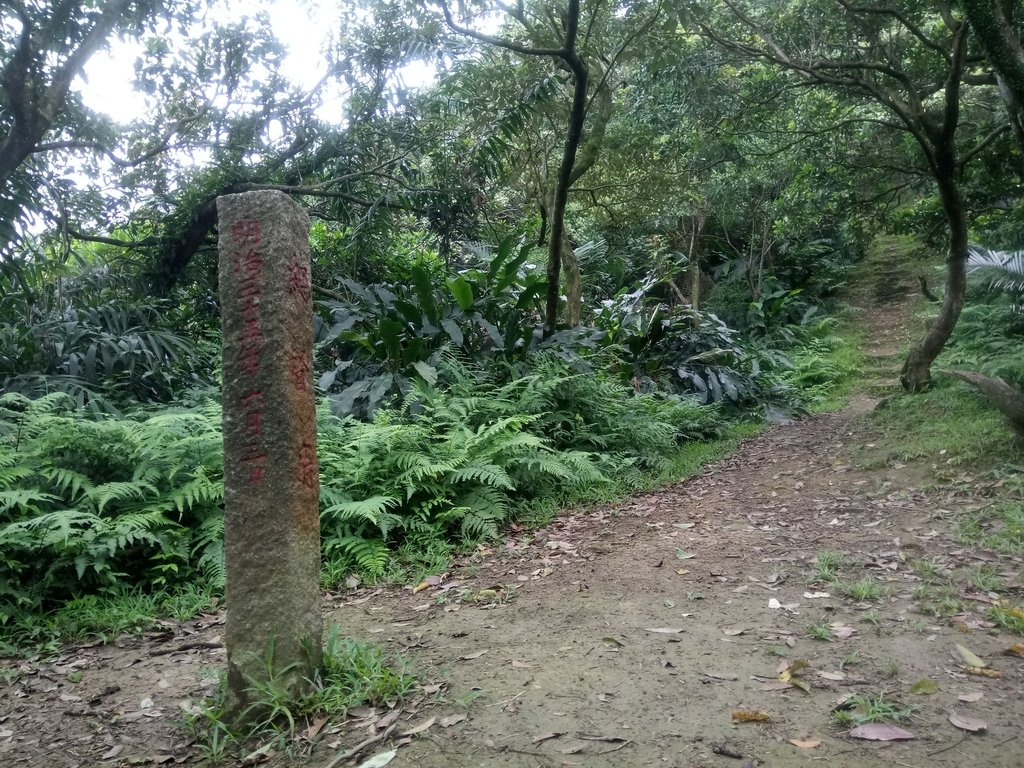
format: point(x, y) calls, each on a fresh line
point(258, 755)
point(751, 716)
point(665, 630)
point(734, 632)
point(816, 596)
point(448, 722)
point(805, 743)
point(1017, 649)
point(971, 724)
point(881, 732)
point(379, 761)
point(682, 571)
point(113, 752)
point(842, 632)
point(473, 655)
point(432, 688)
point(421, 727)
point(388, 719)
point(982, 672)
point(314, 728)
point(835, 676)
point(516, 664)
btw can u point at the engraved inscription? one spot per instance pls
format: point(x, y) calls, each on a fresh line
point(308, 471)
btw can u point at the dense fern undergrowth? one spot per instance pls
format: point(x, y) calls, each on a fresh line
point(108, 520)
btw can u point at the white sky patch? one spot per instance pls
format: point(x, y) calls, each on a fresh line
point(304, 27)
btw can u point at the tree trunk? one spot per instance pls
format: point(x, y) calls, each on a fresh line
point(993, 26)
point(560, 196)
point(916, 375)
point(694, 261)
point(34, 105)
point(573, 284)
point(1009, 401)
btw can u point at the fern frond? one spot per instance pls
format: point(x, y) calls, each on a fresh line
point(485, 474)
point(103, 494)
point(370, 555)
point(11, 472)
point(25, 499)
point(68, 482)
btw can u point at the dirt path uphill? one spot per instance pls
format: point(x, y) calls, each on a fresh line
point(782, 583)
point(631, 636)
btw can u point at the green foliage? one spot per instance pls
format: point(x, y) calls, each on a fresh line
point(686, 351)
point(998, 272)
point(79, 328)
point(89, 504)
point(388, 334)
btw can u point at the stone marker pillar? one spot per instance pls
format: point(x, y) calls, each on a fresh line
point(271, 479)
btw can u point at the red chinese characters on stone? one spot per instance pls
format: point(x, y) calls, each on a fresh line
point(300, 369)
point(308, 470)
point(253, 458)
point(249, 267)
point(299, 278)
point(246, 232)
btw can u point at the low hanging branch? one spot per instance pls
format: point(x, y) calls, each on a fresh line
point(1007, 400)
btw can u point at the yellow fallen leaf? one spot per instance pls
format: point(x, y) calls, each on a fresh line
point(421, 586)
point(751, 716)
point(961, 627)
point(970, 658)
point(682, 571)
point(1017, 649)
point(800, 684)
point(789, 671)
point(982, 672)
point(805, 743)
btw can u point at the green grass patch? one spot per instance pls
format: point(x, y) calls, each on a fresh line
point(100, 618)
point(827, 566)
point(998, 526)
point(862, 590)
point(827, 366)
point(949, 425)
point(870, 708)
point(1010, 618)
point(351, 674)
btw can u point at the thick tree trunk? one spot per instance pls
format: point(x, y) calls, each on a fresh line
point(992, 23)
point(916, 374)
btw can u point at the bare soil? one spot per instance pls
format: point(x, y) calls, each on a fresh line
point(623, 635)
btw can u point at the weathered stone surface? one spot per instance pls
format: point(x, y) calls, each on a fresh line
point(271, 479)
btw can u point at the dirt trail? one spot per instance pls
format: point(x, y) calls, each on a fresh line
point(627, 635)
